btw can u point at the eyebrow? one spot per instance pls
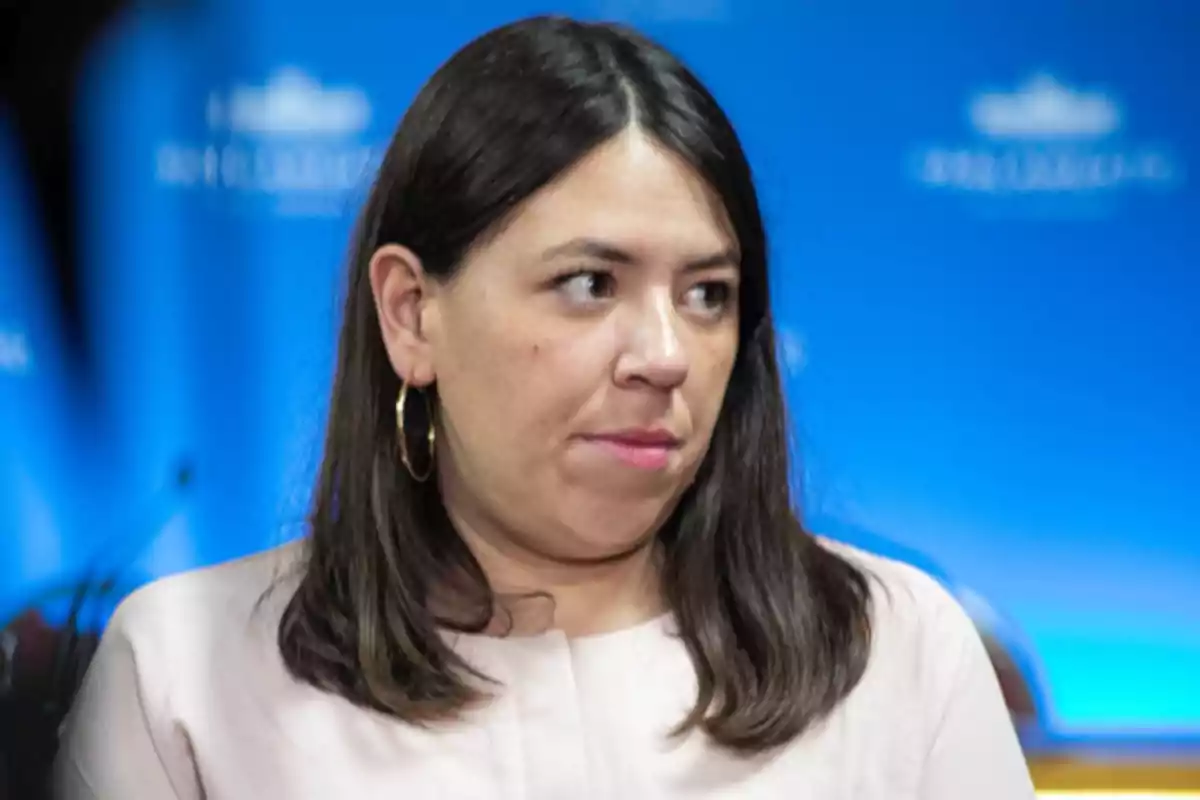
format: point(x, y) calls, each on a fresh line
point(605, 251)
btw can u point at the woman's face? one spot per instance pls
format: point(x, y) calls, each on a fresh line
point(580, 356)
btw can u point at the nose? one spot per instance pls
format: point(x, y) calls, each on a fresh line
point(654, 354)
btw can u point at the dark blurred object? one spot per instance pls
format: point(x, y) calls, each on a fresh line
point(42, 665)
point(44, 46)
point(1013, 684)
point(40, 670)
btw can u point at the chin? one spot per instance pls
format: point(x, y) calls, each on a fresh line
point(606, 552)
point(609, 534)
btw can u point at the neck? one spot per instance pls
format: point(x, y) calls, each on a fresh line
point(536, 592)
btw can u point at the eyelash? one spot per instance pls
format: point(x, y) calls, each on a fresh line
point(561, 283)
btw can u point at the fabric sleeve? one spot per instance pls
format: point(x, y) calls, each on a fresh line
point(974, 750)
point(118, 740)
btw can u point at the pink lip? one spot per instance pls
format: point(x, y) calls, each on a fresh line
point(640, 448)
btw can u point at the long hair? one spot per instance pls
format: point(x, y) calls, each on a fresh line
point(776, 626)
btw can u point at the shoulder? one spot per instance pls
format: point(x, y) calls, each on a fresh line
point(923, 638)
point(931, 690)
point(907, 600)
point(200, 607)
point(170, 652)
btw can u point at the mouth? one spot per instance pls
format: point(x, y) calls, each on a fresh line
point(647, 449)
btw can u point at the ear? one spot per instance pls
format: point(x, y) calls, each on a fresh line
point(402, 291)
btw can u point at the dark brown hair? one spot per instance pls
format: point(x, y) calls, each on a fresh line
point(776, 626)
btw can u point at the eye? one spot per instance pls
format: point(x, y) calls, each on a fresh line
point(710, 298)
point(586, 287)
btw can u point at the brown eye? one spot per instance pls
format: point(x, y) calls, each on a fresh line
point(587, 287)
point(711, 298)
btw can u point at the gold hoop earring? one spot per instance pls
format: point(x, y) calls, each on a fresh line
point(402, 436)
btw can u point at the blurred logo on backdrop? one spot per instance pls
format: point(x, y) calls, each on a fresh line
point(1047, 141)
point(294, 143)
point(15, 358)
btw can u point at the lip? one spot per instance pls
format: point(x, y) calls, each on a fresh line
point(638, 437)
point(642, 448)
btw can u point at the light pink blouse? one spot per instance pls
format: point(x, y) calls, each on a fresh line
point(188, 698)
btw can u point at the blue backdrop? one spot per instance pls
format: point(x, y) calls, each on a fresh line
point(984, 239)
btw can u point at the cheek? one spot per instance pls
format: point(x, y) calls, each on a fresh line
point(558, 375)
point(710, 380)
point(504, 383)
point(478, 374)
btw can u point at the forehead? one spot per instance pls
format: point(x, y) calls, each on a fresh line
point(629, 191)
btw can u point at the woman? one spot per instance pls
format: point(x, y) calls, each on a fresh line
point(553, 552)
